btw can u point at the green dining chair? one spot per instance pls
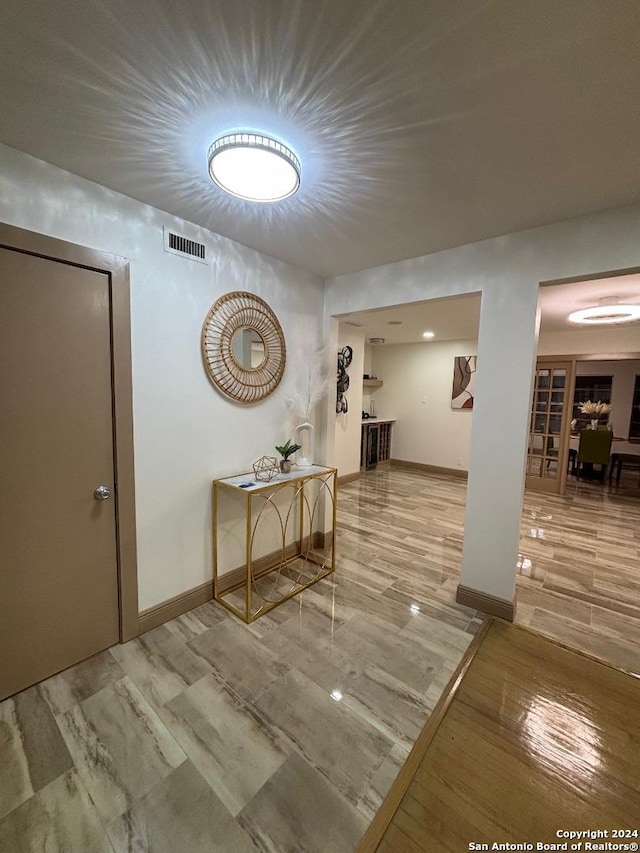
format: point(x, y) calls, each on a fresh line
point(551, 451)
point(594, 449)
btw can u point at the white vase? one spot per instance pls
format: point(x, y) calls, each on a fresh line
point(304, 435)
point(594, 423)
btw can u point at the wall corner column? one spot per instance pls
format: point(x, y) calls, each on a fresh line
point(507, 346)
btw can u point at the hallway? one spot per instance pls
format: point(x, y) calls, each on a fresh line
point(206, 734)
point(578, 575)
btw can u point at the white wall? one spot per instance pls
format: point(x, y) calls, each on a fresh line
point(417, 391)
point(367, 367)
point(368, 359)
point(433, 433)
point(185, 432)
point(348, 426)
point(507, 271)
point(586, 341)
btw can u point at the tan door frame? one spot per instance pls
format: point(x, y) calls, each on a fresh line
point(563, 450)
point(117, 269)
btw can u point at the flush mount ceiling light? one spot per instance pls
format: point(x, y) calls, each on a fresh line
point(428, 334)
point(607, 311)
point(254, 167)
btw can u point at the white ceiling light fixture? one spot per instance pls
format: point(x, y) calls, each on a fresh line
point(607, 311)
point(254, 167)
point(428, 335)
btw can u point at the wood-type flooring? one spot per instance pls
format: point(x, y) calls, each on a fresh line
point(208, 735)
point(578, 567)
point(536, 742)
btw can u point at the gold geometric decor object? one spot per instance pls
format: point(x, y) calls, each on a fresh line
point(266, 468)
point(243, 347)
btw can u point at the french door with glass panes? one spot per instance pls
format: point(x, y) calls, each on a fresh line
point(548, 450)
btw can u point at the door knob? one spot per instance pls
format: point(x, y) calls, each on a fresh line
point(102, 493)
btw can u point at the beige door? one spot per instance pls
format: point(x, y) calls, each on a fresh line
point(58, 564)
point(548, 449)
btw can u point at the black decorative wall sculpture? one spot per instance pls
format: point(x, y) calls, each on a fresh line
point(344, 360)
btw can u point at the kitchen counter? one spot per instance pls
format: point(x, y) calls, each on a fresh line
point(378, 420)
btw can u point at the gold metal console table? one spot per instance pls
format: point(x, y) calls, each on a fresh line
point(301, 503)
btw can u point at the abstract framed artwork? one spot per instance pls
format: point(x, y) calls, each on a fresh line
point(464, 375)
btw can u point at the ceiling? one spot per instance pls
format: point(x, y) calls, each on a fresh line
point(458, 317)
point(421, 124)
point(558, 301)
point(452, 318)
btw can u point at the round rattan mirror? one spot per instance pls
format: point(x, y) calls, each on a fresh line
point(237, 324)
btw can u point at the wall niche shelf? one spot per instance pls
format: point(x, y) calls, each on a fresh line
point(372, 383)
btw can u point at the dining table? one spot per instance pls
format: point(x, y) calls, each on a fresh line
point(574, 440)
point(620, 460)
point(619, 445)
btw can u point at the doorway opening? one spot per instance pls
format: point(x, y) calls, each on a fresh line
point(405, 438)
point(578, 564)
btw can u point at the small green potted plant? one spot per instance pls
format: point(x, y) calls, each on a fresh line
point(287, 450)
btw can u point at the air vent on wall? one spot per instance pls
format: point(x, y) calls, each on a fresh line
point(178, 244)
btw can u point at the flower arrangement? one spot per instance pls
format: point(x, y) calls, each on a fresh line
point(595, 410)
point(312, 383)
point(311, 376)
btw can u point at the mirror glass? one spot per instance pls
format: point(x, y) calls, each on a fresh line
point(248, 348)
point(243, 347)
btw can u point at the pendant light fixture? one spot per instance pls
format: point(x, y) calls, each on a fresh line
point(609, 310)
point(254, 167)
